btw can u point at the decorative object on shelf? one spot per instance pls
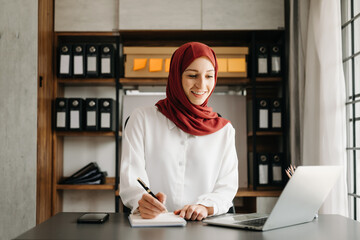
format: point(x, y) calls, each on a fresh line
point(154, 62)
point(90, 174)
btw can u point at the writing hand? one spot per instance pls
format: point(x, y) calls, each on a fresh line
point(194, 212)
point(150, 207)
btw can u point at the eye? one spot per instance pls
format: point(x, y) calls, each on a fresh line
point(209, 76)
point(192, 75)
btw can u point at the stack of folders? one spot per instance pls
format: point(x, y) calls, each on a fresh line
point(269, 114)
point(89, 60)
point(90, 174)
point(91, 114)
point(268, 60)
point(268, 167)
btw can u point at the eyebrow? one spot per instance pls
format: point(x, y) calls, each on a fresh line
point(197, 70)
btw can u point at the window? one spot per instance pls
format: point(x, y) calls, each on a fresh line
point(350, 11)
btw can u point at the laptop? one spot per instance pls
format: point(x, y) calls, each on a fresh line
point(298, 203)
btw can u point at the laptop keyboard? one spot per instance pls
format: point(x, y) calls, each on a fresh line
point(255, 222)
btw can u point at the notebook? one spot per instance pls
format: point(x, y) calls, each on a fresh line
point(168, 219)
point(298, 203)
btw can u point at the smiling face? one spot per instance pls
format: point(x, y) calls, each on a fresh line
point(198, 80)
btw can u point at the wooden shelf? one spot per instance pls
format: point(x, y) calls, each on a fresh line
point(265, 133)
point(249, 192)
point(163, 81)
point(109, 185)
point(87, 81)
point(87, 133)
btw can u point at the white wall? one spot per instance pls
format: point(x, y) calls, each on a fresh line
point(18, 121)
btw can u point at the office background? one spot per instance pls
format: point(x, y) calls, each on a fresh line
point(18, 113)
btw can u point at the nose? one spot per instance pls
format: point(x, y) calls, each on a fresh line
point(201, 82)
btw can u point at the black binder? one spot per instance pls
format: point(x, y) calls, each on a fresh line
point(262, 114)
point(107, 54)
point(61, 114)
point(78, 60)
point(107, 114)
point(262, 160)
point(262, 60)
point(275, 60)
point(276, 114)
point(276, 168)
point(76, 106)
point(90, 174)
point(91, 114)
point(92, 60)
point(64, 61)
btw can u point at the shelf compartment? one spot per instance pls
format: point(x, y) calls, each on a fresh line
point(86, 133)
point(109, 185)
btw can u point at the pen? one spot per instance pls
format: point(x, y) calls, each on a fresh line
point(146, 188)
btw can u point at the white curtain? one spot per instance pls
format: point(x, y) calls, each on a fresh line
point(317, 92)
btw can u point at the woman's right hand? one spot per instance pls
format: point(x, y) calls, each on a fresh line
point(150, 207)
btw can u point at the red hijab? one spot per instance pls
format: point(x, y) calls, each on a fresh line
point(197, 120)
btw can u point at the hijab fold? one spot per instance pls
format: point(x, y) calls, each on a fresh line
point(197, 120)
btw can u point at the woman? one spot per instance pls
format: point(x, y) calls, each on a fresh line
point(182, 149)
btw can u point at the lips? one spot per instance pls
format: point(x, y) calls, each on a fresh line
point(199, 93)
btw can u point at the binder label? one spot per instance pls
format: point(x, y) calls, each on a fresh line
point(105, 66)
point(276, 171)
point(75, 119)
point(263, 174)
point(60, 119)
point(64, 64)
point(263, 118)
point(262, 66)
point(91, 118)
point(105, 120)
point(276, 120)
point(275, 64)
point(91, 64)
point(78, 65)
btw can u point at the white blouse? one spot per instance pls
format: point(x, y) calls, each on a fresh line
point(188, 169)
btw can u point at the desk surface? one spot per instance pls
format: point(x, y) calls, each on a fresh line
point(64, 226)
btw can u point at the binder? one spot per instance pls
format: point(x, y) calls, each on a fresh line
point(262, 60)
point(76, 114)
point(107, 114)
point(83, 171)
point(61, 114)
point(78, 60)
point(276, 168)
point(263, 168)
point(92, 60)
point(262, 114)
point(275, 60)
point(276, 109)
point(107, 60)
point(90, 174)
point(64, 61)
point(91, 114)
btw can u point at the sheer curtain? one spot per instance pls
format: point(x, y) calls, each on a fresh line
point(317, 92)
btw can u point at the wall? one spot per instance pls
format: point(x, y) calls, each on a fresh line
point(18, 121)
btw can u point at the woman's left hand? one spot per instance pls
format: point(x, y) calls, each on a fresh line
point(194, 212)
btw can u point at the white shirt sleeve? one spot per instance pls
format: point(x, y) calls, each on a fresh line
point(133, 162)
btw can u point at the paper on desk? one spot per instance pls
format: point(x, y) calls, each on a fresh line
point(162, 220)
